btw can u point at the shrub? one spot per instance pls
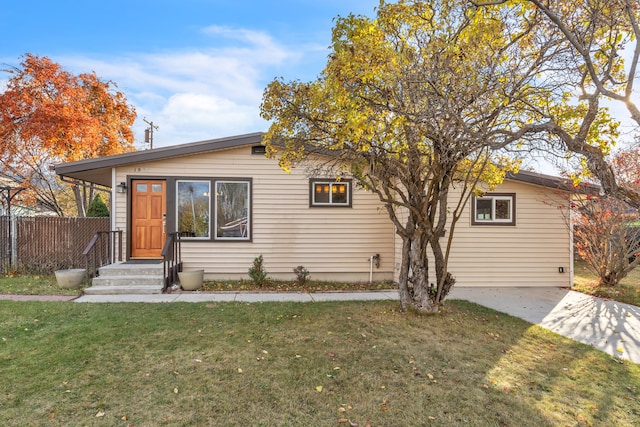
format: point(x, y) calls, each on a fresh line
point(606, 238)
point(257, 272)
point(302, 275)
point(97, 208)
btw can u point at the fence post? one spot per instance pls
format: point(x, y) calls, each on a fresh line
point(13, 235)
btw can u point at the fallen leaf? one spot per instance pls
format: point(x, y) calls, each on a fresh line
point(430, 376)
point(124, 418)
point(342, 421)
point(175, 390)
point(319, 389)
point(100, 413)
point(239, 370)
point(431, 418)
point(341, 410)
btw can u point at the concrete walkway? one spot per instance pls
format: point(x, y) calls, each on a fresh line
point(609, 326)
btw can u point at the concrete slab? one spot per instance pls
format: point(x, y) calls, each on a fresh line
point(273, 297)
point(154, 298)
point(204, 297)
point(355, 296)
point(609, 326)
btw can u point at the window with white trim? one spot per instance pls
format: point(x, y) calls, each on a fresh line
point(494, 209)
point(330, 193)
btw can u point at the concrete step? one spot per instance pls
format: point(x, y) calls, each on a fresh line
point(126, 269)
point(123, 290)
point(128, 278)
point(131, 280)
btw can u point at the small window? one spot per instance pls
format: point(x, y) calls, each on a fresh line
point(259, 149)
point(330, 193)
point(494, 209)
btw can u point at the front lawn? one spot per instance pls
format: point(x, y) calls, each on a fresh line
point(628, 291)
point(33, 284)
point(294, 364)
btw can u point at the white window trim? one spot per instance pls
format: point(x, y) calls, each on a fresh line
point(330, 183)
point(494, 221)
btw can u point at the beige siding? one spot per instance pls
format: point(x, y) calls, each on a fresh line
point(527, 254)
point(332, 243)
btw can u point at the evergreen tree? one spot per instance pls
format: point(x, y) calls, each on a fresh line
point(97, 208)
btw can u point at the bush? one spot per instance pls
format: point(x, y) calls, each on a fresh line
point(257, 272)
point(605, 238)
point(302, 275)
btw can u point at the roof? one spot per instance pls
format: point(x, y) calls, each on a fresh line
point(98, 170)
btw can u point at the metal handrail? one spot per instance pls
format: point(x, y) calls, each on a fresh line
point(105, 247)
point(172, 259)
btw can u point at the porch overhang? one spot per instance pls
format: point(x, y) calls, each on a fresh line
point(98, 170)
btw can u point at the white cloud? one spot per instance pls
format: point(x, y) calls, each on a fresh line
point(202, 116)
point(196, 93)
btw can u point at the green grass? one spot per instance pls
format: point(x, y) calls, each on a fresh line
point(28, 284)
point(263, 365)
point(628, 291)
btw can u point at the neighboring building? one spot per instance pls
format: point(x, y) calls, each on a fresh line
point(231, 204)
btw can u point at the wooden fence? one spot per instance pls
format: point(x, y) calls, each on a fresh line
point(46, 244)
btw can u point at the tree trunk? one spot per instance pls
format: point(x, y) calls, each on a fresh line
point(422, 297)
point(403, 279)
point(444, 279)
point(79, 201)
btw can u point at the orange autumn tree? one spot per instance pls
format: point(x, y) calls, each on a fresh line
point(49, 115)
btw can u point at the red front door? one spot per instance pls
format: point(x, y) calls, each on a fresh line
point(148, 217)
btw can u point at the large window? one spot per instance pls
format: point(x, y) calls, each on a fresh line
point(330, 193)
point(194, 208)
point(230, 206)
point(232, 210)
point(494, 209)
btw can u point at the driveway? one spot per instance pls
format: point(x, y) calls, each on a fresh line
point(607, 325)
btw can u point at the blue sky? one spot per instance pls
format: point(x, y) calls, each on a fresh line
point(196, 68)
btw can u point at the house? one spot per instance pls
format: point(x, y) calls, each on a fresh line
point(230, 204)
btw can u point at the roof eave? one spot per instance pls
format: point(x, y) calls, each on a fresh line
point(98, 170)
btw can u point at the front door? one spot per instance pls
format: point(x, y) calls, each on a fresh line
point(148, 217)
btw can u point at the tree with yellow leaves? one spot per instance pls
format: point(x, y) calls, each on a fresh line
point(418, 105)
point(601, 39)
